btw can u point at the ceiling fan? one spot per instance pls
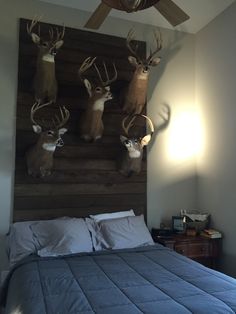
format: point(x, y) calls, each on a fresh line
point(173, 14)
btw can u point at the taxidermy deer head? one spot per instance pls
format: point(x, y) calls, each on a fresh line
point(45, 83)
point(136, 93)
point(132, 154)
point(40, 156)
point(99, 92)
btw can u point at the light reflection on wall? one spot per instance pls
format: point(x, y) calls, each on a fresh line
point(185, 137)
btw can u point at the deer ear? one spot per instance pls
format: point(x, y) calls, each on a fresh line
point(58, 44)
point(37, 128)
point(123, 138)
point(35, 38)
point(132, 60)
point(145, 140)
point(88, 87)
point(62, 131)
point(155, 61)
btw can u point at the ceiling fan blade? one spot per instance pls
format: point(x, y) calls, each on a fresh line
point(98, 16)
point(171, 12)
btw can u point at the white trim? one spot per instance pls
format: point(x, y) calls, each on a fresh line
point(49, 147)
point(48, 58)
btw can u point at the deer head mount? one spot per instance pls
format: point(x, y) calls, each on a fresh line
point(40, 156)
point(132, 154)
point(99, 92)
point(136, 94)
point(45, 83)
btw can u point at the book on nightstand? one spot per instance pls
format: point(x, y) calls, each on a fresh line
point(211, 233)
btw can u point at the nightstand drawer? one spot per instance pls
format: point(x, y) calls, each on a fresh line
point(199, 250)
point(203, 250)
point(181, 249)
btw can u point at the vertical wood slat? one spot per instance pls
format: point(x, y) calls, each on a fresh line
point(65, 192)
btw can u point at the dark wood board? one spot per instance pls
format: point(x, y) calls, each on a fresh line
point(84, 179)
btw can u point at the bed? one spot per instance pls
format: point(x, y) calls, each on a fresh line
point(145, 279)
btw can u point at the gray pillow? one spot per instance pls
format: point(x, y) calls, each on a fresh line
point(20, 241)
point(127, 232)
point(62, 237)
point(98, 241)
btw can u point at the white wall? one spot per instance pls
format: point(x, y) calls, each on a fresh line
point(171, 183)
point(171, 159)
point(216, 97)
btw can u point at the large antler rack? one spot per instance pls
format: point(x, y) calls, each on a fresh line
point(158, 38)
point(59, 35)
point(30, 26)
point(129, 39)
point(36, 106)
point(58, 122)
point(108, 80)
point(131, 122)
point(64, 116)
point(88, 62)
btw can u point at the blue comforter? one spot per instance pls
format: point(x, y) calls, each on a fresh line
point(150, 279)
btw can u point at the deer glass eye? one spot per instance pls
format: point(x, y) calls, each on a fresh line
point(98, 89)
point(50, 133)
point(136, 141)
point(44, 45)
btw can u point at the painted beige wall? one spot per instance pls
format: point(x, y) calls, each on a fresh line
point(171, 183)
point(216, 98)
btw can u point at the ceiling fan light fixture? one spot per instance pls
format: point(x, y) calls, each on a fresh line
point(171, 12)
point(130, 5)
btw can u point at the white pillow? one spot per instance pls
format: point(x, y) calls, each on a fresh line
point(126, 232)
point(121, 214)
point(62, 237)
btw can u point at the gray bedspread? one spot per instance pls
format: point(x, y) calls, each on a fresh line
point(144, 280)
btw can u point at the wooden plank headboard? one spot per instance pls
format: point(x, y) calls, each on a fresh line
point(84, 180)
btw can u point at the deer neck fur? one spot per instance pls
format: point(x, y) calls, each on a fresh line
point(44, 148)
point(98, 105)
point(133, 153)
point(46, 64)
point(139, 82)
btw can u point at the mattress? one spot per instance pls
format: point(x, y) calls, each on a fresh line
point(151, 279)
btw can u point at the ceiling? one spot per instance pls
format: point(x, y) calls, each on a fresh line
point(201, 12)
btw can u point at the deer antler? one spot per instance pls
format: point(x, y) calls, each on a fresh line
point(59, 35)
point(149, 123)
point(65, 114)
point(36, 106)
point(88, 62)
point(129, 39)
point(34, 21)
point(158, 39)
point(131, 122)
point(108, 80)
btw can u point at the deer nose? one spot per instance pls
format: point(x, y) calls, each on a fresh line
point(60, 142)
point(53, 52)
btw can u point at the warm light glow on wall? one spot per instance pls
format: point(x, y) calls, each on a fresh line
point(185, 136)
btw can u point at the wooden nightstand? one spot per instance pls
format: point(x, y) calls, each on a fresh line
point(203, 250)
